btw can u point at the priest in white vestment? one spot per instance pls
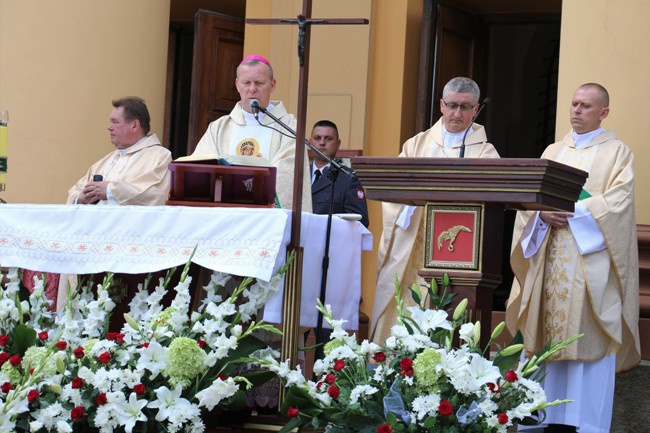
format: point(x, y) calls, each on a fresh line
point(401, 248)
point(135, 173)
point(240, 132)
point(577, 273)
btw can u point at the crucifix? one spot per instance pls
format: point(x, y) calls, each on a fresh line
point(293, 277)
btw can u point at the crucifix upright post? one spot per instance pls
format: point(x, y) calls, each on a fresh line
point(293, 277)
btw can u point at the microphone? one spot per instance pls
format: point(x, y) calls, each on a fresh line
point(255, 105)
point(486, 101)
point(98, 178)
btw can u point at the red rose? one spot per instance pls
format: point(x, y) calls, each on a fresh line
point(104, 358)
point(319, 385)
point(61, 345)
point(101, 399)
point(33, 395)
point(79, 352)
point(15, 360)
point(494, 387)
point(6, 387)
point(115, 336)
point(222, 377)
point(4, 357)
point(380, 357)
point(293, 412)
point(445, 408)
point(144, 345)
point(43, 335)
point(502, 418)
point(406, 364)
point(4, 339)
point(339, 364)
point(139, 389)
point(384, 428)
point(330, 378)
point(77, 383)
point(511, 376)
point(201, 343)
point(334, 391)
point(77, 412)
point(31, 371)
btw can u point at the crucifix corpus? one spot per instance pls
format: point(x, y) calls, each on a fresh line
point(293, 277)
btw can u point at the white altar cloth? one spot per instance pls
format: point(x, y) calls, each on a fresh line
point(82, 239)
point(343, 293)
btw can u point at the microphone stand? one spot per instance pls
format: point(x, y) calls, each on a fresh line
point(334, 168)
point(347, 170)
point(461, 153)
point(322, 336)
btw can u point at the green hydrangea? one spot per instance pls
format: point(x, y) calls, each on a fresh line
point(331, 345)
point(184, 361)
point(35, 355)
point(13, 374)
point(424, 370)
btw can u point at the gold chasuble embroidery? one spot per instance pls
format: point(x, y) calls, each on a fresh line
point(565, 296)
point(251, 140)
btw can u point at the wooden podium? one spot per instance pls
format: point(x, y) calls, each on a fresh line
point(464, 202)
point(212, 184)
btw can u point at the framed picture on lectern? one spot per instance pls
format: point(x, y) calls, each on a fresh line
point(453, 236)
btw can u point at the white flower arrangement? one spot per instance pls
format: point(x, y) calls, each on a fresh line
point(163, 371)
point(417, 381)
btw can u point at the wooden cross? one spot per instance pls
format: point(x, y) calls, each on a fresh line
point(293, 277)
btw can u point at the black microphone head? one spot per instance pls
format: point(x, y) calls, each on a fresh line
point(486, 101)
point(254, 103)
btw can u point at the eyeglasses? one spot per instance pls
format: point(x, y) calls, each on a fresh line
point(453, 106)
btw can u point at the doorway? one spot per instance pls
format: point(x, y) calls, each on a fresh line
point(188, 110)
point(511, 49)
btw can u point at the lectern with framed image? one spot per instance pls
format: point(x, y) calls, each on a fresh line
point(464, 201)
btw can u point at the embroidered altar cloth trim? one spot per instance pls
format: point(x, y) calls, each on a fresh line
point(83, 239)
point(86, 239)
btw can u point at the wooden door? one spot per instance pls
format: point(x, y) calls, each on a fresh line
point(218, 49)
point(451, 49)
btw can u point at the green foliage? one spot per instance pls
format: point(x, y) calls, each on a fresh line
point(24, 338)
point(245, 347)
point(258, 378)
point(506, 363)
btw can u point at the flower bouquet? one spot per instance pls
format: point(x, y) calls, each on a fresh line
point(417, 381)
point(164, 371)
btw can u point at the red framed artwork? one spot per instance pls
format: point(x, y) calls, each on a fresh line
point(453, 236)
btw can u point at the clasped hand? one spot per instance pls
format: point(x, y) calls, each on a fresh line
point(93, 192)
point(556, 219)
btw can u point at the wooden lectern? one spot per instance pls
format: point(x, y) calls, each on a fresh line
point(465, 200)
point(212, 184)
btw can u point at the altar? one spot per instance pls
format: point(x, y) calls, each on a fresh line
point(82, 239)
